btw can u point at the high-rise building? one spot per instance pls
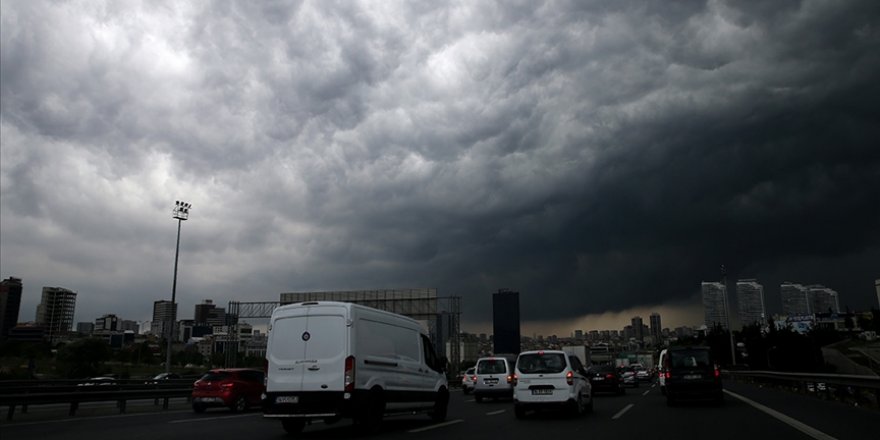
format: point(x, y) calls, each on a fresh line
point(822, 299)
point(750, 296)
point(715, 304)
point(55, 311)
point(505, 321)
point(637, 324)
point(579, 335)
point(656, 329)
point(10, 304)
point(795, 301)
point(163, 314)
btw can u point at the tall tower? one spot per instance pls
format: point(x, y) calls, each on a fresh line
point(10, 304)
point(55, 311)
point(750, 296)
point(656, 328)
point(823, 299)
point(163, 314)
point(715, 304)
point(505, 321)
point(795, 300)
point(637, 324)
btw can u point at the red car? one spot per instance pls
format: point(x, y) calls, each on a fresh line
point(233, 388)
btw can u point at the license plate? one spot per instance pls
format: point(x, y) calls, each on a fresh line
point(287, 399)
point(692, 376)
point(542, 392)
point(598, 378)
point(491, 381)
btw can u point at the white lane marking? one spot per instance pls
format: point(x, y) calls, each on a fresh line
point(81, 418)
point(206, 419)
point(808, 430)
point(439, 425)
point(620, 413)
point(495, 412)
point(646, 393)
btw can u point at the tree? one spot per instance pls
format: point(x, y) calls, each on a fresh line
point(83, 358)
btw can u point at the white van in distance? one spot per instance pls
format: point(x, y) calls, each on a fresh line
point(331, 360)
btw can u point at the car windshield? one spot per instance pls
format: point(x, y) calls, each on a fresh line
point(541, 363)
point(689, 358)
point(491, 366)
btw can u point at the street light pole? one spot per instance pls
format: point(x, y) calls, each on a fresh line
point(181, 213)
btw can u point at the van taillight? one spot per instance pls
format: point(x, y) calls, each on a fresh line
point(609, 376)
point(668, 374)
point(511, 379)
point(569, 377)
point(717, 372)
point(349, 374)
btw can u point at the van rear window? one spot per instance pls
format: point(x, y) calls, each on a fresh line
point(491, 366)
point(689, 358)
point(541, 363)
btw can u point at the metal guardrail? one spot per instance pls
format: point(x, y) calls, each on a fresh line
point(24, 393)
point(856, 388)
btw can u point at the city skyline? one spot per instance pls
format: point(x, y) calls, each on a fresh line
point(597, 158)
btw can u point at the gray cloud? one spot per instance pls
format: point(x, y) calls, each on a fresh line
point(597, 157)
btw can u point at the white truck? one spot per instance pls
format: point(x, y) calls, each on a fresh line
point(333, 360)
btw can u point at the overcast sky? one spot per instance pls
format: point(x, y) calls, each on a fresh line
point(602, 158)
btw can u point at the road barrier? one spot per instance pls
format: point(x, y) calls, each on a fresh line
point(859, 390)
point(24, 393)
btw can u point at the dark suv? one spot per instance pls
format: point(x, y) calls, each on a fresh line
point(691, 373)
point(234, 388)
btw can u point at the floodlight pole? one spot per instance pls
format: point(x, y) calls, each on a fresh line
point(181, 213)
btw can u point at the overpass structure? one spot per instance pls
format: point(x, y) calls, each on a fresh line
point(441, 316)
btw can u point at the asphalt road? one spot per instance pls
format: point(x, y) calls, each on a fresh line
point(639, 414)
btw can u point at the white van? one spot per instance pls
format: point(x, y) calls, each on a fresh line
point(661, 369)
point(332, 360)
point(494, 378)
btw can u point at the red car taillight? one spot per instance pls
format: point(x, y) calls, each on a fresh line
point(569, 378)
point(474, 379)
point(512, 379)
point(717, 372)
point(609, 376)
point(668, 374)
point(227, 385)
point(349, 374)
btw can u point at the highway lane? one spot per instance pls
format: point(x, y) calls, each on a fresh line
point(641, 413)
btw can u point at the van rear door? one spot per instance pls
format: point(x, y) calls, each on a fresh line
point(307, 351)
point(323, 364)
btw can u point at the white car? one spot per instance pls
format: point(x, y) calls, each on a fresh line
point(547, 379)
point(468, 378)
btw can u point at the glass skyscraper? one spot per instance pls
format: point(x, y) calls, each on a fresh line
point(715, 304)
point(505, 322)
point(750, 296)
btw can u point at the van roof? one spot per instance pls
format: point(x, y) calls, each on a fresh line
point(348, 306)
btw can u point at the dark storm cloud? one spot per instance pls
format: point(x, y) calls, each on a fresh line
point(596, 156)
